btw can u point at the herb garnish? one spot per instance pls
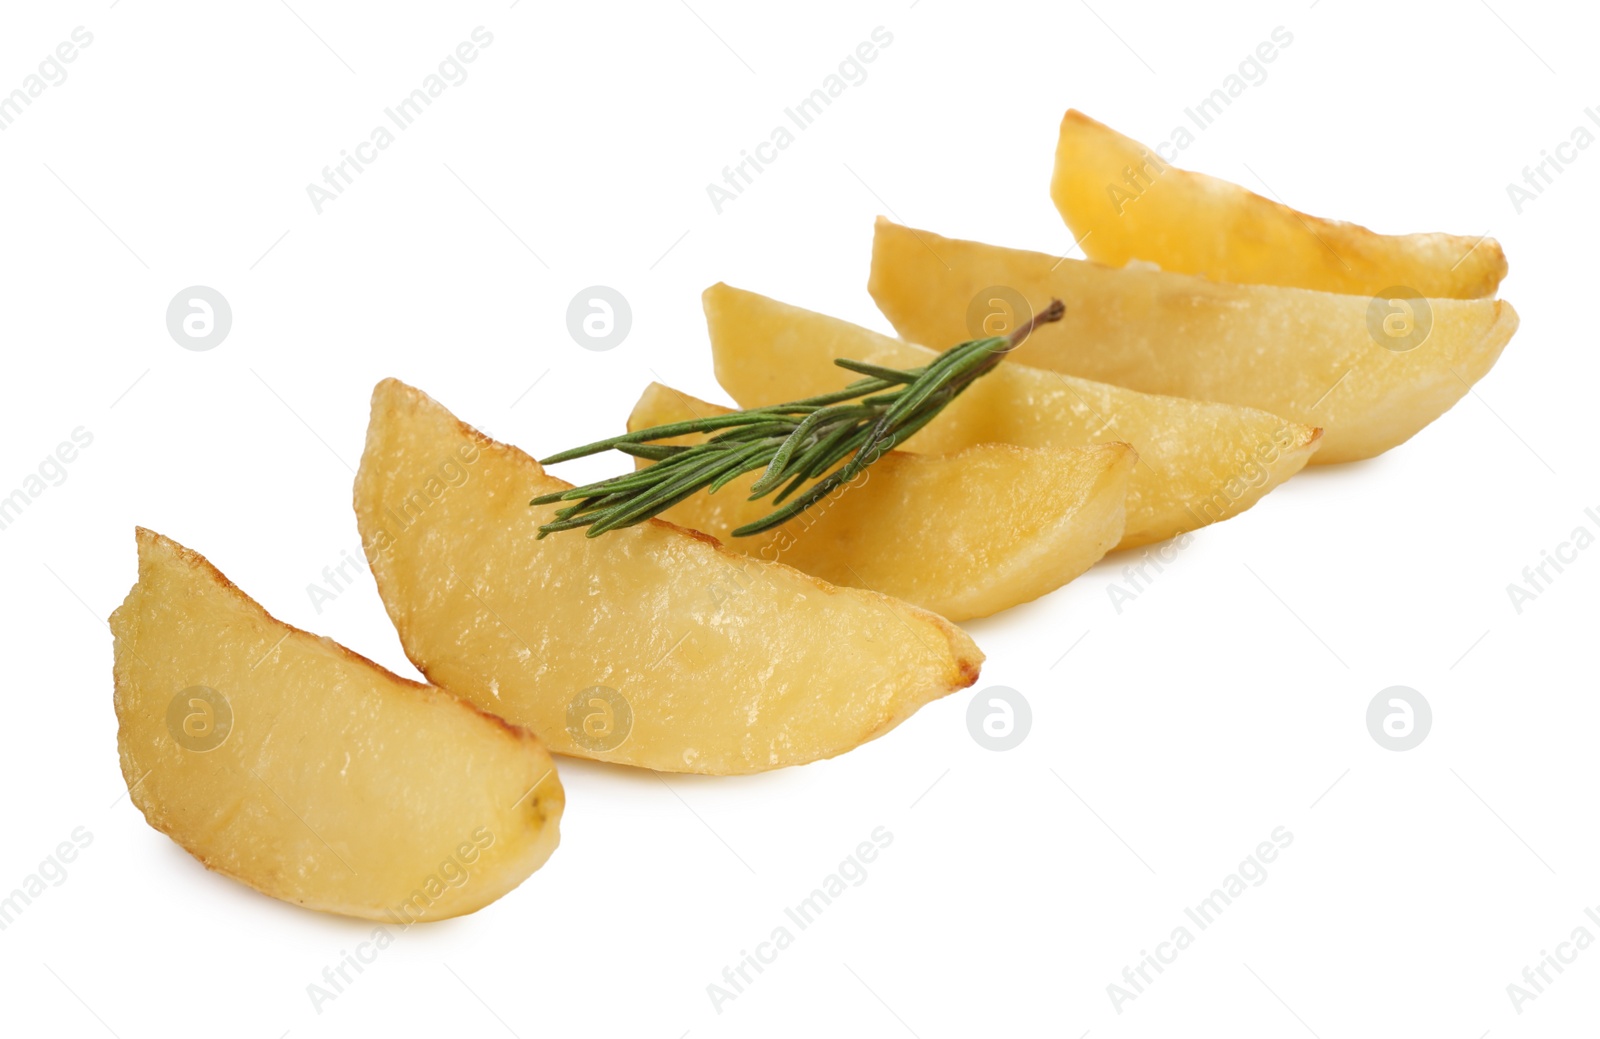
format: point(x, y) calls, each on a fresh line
point(796, 443)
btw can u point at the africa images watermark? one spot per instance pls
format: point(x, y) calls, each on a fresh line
point(1550, 966)
point(452, 872)
point(1137, 578)
point(851, 72)
point(1252, 71)
point(852, 872)
point(52, 872)
point(1252, 872)
point(1537, 577)
point(402, 514)
point(1253, 473)
point(51, 472)
point(337, 579)
point(52, 72)
point(451, 71)
point(1541, 175)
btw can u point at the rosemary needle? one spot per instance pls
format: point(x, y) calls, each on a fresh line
point(795, 443)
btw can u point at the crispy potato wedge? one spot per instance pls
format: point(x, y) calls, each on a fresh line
point(1314, 357)
point(291, 764)
point(1198, 462)
point(964, 535)
point(1123, 202)
point(650, 645)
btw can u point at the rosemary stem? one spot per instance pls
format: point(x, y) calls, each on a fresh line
point(826, 440)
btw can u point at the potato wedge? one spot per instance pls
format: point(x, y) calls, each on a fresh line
point(1198, 462)
point(1123, 202)
point(291, 764)
point(1314, 357)
point(964, 535)
point(650, 645)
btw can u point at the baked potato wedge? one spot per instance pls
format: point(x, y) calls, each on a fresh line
point(289, 763)
point(1124, 202)
point(1316, 358)
point(1198, 462)
point(965, 534)
point(652, 645)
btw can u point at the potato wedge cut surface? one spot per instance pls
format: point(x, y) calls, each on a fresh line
point(1198, 462)
point(1313, 357)
point(287, 762)
point(1124, 203)
point(649, 645)
point(965, 534)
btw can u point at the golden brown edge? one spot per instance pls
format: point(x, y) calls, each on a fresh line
point(1497, 270)
point(143, 535)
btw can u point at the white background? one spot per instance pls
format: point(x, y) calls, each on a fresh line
point(1226, 700)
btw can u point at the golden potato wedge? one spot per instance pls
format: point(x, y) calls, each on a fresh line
point(1370, 376)
point(1198, 462)
point(650, 645)
point(964, 535)
point(1124, 202)
point(291, 764)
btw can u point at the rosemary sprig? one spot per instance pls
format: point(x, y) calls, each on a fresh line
point(795, 443)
